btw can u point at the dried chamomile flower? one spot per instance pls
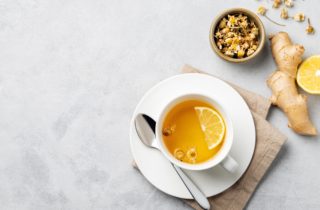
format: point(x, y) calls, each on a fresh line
point(284, 13)
point(169, 130)
point(218, 35)
point(245, 45)
point(223, 23)
point(299, 17)
point(229, 53)
point(241, 53)
point(244, 24)
point(250, 52)
point(262, 10)
point(288, 3)
point(231, 21)
point(276, 3)
point(309, 29)
point(255, 31)
point(166, 132)
point(192, 154)
point(178, 153)
point(228, 41)
point(225, 30)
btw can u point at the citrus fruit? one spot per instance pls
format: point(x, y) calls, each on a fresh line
point(308, 76)
point(212, 125)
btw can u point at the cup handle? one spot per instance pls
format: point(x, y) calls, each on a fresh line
point(229, 164)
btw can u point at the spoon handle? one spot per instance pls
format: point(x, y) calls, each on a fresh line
point(198, 196)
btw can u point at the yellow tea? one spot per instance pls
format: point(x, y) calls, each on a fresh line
point(193, 131)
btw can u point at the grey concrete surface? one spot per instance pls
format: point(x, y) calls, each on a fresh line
point(71, 74)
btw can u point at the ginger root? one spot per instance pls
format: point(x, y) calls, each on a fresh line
point(283, 84)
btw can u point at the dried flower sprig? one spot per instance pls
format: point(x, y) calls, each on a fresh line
point(262, 11)
point(310, 29)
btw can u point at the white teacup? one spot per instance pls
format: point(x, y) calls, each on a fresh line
point(222, 157)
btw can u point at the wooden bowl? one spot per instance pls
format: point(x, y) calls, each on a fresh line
point(253, 17)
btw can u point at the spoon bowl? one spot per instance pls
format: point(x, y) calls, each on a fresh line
point(145, 127)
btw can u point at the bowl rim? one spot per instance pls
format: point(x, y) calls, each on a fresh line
point(250, 14)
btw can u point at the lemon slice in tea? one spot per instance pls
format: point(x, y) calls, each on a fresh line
point(308, 76)
point(212, 125)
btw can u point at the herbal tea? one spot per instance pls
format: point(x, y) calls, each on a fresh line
point(193, 131)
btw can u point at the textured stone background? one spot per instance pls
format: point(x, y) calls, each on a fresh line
point(71, 73)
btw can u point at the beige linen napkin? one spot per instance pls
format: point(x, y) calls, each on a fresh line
point(268, 143)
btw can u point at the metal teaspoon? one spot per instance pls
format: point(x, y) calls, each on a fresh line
point(145, 127)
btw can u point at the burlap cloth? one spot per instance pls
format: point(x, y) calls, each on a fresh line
point(268, 144)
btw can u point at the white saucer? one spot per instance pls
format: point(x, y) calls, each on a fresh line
point(157, 169)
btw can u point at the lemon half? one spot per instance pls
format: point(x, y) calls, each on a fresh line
point(212, 125)
point(308, 76)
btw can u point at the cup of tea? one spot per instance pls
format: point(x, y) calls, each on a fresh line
point(195, 133)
